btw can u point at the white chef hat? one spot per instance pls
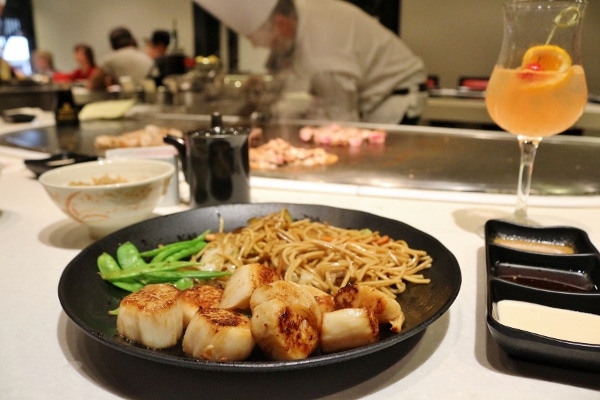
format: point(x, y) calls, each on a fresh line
point(243, 16)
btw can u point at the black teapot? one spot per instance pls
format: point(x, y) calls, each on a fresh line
point(215, 163)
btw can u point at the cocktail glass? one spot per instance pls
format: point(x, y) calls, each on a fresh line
point(537, 88)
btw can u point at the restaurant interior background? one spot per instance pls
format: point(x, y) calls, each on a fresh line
point(455, 37)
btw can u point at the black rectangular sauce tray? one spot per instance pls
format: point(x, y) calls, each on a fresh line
point(561, 269)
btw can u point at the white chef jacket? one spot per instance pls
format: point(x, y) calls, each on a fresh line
point(127, 61)
point(351, 64)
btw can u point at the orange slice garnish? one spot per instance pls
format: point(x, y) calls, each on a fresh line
point(547, 58)
point(545, 65)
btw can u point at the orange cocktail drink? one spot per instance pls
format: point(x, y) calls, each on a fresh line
point(537, 88)
point(537, 99)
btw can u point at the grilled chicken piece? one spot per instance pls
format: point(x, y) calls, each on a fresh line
point(284, 331)
point(204, 296)
point(383, 307)
point(217, 334)
point(348, 328)
point(241, 284)
point(152, 316)
point(324, 300)
point(150, 135)
point(292, 294)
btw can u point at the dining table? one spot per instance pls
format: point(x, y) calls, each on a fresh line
point(45, 355)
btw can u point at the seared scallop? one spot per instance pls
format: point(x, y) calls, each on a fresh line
point(152, 316)
point(289, 293)
point(284, 331)
point(324, 300)
point(204, 296)
point(243, 282)
point(385, 309)
point(348, 328)
point(217, 334)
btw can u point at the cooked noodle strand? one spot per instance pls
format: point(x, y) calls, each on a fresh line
point(318, 254)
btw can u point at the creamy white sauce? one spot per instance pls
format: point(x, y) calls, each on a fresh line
point(549, 321)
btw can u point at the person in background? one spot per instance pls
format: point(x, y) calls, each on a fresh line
point(125, 62)
point(156, 48)
point(354, 67)
point(86, 64)
point(6, 71)
point(42, 63)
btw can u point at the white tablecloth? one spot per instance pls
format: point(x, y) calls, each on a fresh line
point(43, 355)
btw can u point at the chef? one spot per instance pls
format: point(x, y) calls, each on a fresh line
point(353, 67)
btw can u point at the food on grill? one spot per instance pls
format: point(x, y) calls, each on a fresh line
point(337, 135)
point(150, 135)
point(280, 153)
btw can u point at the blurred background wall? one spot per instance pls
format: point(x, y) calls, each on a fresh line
point(463, 37)
point(455, 37)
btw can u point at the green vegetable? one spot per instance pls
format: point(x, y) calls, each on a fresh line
point(186, 252)
point(106, 264)
point(160, 253)
point(131, 271)
point(172, 276)
point(184, 283)
point(129, 286)
point(134, 272)
point(128, 256)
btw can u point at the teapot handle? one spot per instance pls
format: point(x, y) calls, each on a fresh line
point(179, 144)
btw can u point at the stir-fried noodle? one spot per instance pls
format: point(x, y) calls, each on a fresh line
point(319, 254)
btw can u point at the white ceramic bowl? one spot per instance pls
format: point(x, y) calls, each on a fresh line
point(107, 195)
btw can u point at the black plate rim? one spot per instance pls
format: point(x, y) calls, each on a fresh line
point(261, 366)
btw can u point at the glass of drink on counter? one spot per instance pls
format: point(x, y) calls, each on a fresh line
point(537, 88)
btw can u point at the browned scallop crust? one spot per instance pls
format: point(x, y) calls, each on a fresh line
point(217, 334)
point(219, 317)
point(152, 298)
point(284, 332)
point(204, 296)
point(152, 316)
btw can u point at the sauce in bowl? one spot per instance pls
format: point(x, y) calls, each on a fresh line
point(552, 322)
point(535, 246)
point(573, 280)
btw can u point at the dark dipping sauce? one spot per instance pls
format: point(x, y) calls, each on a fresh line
point(571, 281)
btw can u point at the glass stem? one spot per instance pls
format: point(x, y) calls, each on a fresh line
point(528, 147)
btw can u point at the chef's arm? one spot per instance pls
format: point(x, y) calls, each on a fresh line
point(336, 95)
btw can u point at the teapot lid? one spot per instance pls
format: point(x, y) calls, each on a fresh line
point(217, 128)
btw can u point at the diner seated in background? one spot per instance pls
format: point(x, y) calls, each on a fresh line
point(6, 71)
point(86, 66)
point(156, 48)
point(42, 63)
point(125, 62)
point(86, 63)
